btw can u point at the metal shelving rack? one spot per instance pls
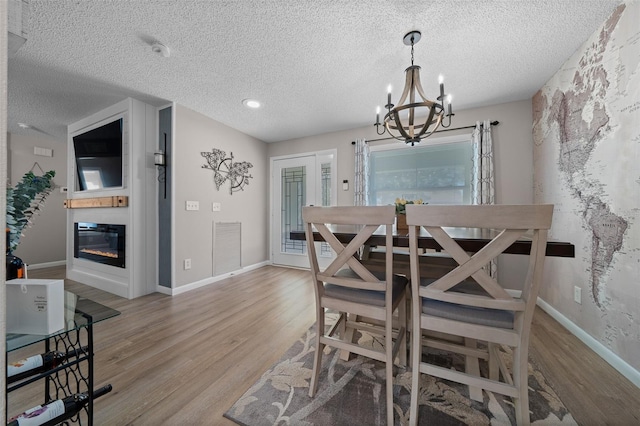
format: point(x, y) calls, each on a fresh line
point(75, 375)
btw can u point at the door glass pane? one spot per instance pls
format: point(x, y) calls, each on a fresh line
point(325, 170)
point(325, 178)
point(293, 198)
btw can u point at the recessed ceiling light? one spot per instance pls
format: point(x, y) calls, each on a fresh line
point(24, 126)
point(251, 103)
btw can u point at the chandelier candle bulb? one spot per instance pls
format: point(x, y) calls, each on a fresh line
point(449, 102)
point(389, 97)
point(441, 82)
point(377, 115)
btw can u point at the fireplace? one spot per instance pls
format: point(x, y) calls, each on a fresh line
point(99, 242)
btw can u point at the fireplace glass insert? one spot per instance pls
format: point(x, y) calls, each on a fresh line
point(99, 242)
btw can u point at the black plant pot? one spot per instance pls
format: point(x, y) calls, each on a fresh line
point(15, 267)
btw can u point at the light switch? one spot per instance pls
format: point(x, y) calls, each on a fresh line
point(345, 185)
point(192, 205)
point(216, 207)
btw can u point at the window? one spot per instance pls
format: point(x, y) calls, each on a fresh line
point(438, 172)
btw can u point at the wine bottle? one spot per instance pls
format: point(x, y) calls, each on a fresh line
point(39, 363)
point(56, 411)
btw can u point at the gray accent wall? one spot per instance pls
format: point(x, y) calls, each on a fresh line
point(165, 143)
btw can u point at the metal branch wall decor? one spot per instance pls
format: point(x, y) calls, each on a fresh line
point(224, 169)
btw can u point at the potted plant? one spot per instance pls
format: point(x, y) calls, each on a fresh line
point(23, 201)
point(401, 219)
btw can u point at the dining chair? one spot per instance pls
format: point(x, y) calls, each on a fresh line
point(469, 303)
point(366, 300)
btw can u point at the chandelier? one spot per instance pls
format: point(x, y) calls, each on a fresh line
point(414, 119)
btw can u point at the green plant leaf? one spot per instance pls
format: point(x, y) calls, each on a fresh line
point(25, 199)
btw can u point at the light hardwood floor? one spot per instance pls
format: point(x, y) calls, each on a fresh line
point(186, 359)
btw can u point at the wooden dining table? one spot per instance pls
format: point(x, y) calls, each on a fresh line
point(469, 239)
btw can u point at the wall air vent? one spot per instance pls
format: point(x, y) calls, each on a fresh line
point(226, 247)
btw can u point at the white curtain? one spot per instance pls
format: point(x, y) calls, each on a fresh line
point(483, 175)
point(360, 179)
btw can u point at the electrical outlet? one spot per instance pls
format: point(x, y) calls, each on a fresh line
point(192, 205)
point(216, 207)
point(187, 264)
point(577, 295)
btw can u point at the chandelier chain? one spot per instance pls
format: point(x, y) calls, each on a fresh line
point(411, 50)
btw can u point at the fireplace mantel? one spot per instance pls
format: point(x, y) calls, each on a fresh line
point(84, 203)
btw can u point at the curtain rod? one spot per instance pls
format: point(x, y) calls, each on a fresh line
point(493, 123)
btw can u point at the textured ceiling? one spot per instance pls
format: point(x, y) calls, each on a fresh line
point(317, 66)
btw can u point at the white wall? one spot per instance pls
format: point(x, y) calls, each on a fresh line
point(513, 150)
point(45, 241)
point(512, 144)
point(193, 237)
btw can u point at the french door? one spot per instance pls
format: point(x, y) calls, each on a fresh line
point(306, 180)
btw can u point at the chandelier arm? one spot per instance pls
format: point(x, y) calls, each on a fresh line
point(394, 116)
point(448, 121)
point(407, 85)
point(418, 85)
point(393, 123)
point(425, 104)
point(425, 132)
point(412, 111)
point(414, 75)
point(396, 137)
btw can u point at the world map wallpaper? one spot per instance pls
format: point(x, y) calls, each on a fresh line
point(586, 133)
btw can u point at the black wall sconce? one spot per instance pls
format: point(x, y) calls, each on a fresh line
point(160, 160)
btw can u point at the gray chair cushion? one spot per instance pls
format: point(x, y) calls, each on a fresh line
point(370, 297)
point(471, 314)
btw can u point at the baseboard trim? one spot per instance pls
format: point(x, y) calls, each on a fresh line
point(211, 280)
point(614, 360)
point(97, 281)
point(163, 290)
point(46, 264)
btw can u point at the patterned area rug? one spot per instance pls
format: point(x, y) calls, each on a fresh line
point(353, 393)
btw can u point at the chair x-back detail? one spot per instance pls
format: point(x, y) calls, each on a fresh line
point(366, 300)
point(468, 303)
